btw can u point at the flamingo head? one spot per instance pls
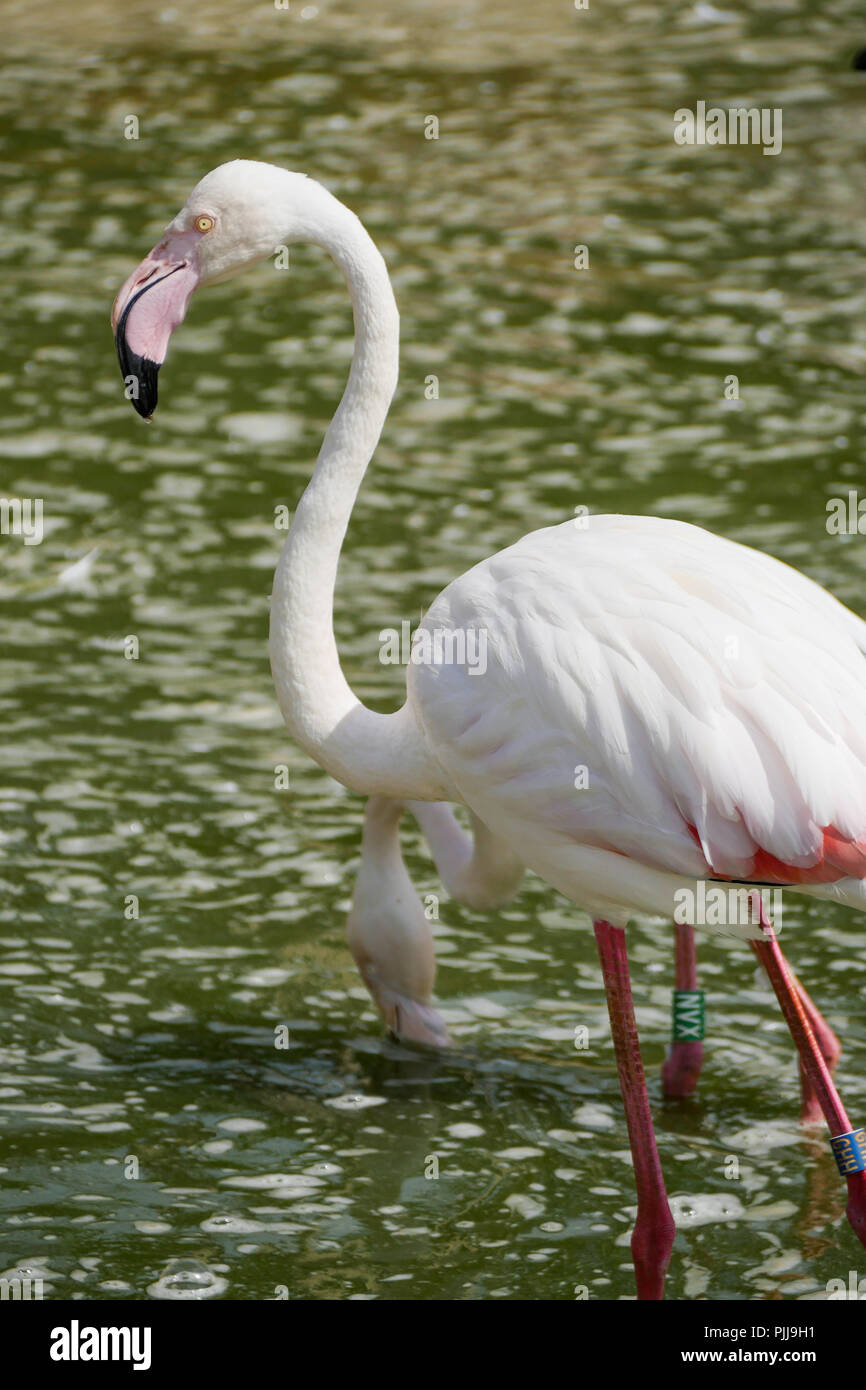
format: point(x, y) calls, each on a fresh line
point(239, 214)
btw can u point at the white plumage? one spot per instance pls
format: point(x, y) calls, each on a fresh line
point(715, 696)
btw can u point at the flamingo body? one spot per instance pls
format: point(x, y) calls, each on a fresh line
point(715, 697)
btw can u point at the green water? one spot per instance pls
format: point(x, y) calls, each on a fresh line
point(147, 1045)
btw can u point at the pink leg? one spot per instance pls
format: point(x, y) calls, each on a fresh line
point(815, 1068)
point(653, 1234)
point(684, 1060)
point(831, 1051)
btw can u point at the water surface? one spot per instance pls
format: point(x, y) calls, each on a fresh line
point(155, 1140)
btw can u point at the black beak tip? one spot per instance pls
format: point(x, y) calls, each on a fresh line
point(140, 375)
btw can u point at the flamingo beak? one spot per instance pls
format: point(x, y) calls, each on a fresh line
point(408, 1019)
point(149, 306)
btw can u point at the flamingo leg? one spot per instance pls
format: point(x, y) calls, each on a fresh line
point(653, 1235)
point(682, 1066)
point(683, 1063)
point(812, 1061)
point(831, 1051)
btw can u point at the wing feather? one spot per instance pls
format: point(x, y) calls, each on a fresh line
point(715, 697)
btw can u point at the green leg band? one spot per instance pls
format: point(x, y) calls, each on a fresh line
point(688, 1015)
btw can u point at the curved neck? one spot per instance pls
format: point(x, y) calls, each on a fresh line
point(365, 751)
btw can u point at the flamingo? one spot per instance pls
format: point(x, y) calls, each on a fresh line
point(714, 697)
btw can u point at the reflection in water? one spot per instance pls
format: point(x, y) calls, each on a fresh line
point(165, 909)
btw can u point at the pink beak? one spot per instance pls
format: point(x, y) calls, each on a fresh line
point(149, 306)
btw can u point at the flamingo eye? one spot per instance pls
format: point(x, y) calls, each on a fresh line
point(204, 223)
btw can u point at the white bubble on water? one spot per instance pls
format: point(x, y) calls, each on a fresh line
point(705, 1209)
point(188, 1280)
point(355, 1102)
point(523, 1205)
point(284, 1184)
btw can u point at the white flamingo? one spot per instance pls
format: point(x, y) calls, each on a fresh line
point(714, 697)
